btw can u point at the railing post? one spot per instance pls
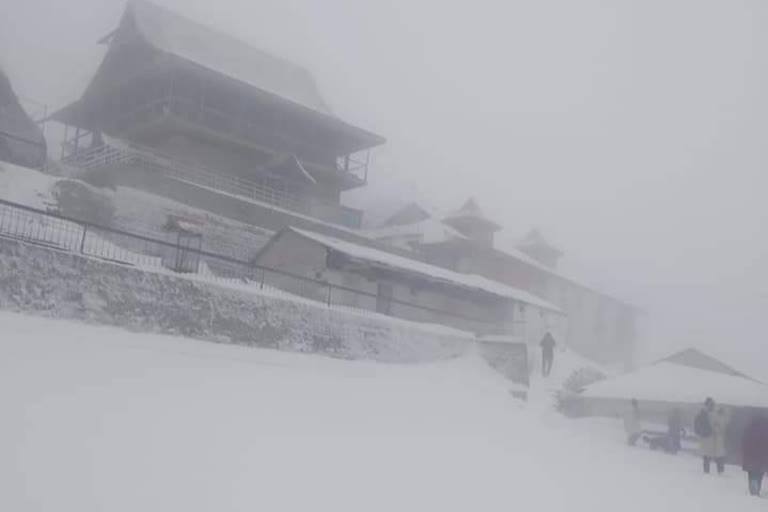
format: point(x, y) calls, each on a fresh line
point(82, 240)
point(330, 290)
point(262, 278)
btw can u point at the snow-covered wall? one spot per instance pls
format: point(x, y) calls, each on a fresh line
point(53, 283)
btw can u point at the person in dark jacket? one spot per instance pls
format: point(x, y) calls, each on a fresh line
point(547, 354)
point(675, 430)
point(754, 446)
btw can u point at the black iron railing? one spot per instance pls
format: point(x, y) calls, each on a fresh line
point(52, 230)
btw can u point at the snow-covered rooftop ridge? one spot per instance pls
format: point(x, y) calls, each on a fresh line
point(433, 272)
point(705, 360)
point(427, 231)
point(410, 213)
point(400, 235)
point(471, 210)
point(211, 49)
point(670, 382)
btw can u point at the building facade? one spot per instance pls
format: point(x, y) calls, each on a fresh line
point(598, 326)
point(369, 279)
point(177, 106)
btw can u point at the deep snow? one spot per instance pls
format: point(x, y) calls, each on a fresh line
point(102, 419)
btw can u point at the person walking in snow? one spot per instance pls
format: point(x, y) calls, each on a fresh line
point(632, 423)
point(711, 426)
point(754, 452)
point(547, 353)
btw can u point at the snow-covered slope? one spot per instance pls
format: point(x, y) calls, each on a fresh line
point(26, 186)
point(101, 419)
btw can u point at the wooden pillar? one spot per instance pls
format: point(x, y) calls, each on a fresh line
point(64, 144)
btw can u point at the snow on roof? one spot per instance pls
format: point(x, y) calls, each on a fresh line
point(471, 210)
point(669, 382)
point(427, 231)
point(408, 214)
point(696, 358)
point(217, 51)
point(431, 272)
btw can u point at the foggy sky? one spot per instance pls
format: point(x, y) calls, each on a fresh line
point(633, 133)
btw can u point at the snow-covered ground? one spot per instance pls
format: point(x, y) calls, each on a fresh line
point(102, 419)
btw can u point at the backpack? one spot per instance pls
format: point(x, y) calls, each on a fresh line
point(701, 425)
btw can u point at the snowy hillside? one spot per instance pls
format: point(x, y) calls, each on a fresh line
point(102, 419)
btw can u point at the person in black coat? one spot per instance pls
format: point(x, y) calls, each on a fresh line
point(755, 452)
point(675, 430)
point(547, 354)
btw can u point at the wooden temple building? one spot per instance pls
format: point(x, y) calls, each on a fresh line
point(184, 111)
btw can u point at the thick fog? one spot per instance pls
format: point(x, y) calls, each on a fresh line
point(632, 133)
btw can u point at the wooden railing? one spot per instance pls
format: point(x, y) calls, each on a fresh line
point(126, 154)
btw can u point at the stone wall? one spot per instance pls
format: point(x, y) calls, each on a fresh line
point(47, 282)
point(52, 283)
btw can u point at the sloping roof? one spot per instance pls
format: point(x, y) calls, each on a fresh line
point(434, 231)
point(408, 214)
point(427, 231)
point(377, 257)
point(471, 210)
point(271, 79)
point(177, 35)
point(674, 383)
point(695, 358)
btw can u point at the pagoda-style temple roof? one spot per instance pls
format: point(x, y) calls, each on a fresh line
point(471, 213)
point(183, 38)
point(161, 39)
point(408, 214)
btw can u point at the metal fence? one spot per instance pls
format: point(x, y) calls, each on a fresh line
point(176, 254)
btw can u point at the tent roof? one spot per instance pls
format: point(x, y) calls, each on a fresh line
point(670, 382)
point(696, 358)
point(383, 259)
